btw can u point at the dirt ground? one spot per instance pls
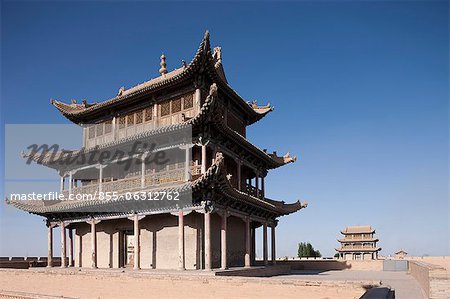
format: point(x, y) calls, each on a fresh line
point(80, 284)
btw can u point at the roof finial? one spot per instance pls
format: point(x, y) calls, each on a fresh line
point(163, 65)
point(217, 55)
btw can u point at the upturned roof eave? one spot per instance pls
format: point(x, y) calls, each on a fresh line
point(357, 233)
point(78, 112)
point(272, 161)
point(215, 173)
point(280, 208)
point(210, 99)
point(358, 249)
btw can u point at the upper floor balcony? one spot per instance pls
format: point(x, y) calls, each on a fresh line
point(171, 111)
point(136, 181)
point(252, 190)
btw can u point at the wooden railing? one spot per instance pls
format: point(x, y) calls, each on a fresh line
point(253, 191)
point(164, 177)
point(175, 173)
point(358, 247)
point(357, 238)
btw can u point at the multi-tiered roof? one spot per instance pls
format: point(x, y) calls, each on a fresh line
point(355, 237)
point(204, 70)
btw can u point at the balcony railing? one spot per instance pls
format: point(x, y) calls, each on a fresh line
point(176, 173)
point(358, 247)
point(358, 238)
point(253, 191)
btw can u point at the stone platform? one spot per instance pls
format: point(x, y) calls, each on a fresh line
point(262, 271)
point(126, 283)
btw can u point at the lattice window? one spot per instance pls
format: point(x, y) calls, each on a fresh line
point(165, 108)
point(130, 119)
point(188, 101)
point(108, 126)
point(148, 113)
point(99, 129)
point(176, 105)
point(139, 116)
point(91, 131)
point(121, 122)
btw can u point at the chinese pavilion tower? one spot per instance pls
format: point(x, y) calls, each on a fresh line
point(359, 243)
point(226, 177)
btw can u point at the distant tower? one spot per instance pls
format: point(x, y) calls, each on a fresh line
point(358, 243)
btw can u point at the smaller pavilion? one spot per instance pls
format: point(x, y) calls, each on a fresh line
point(359, 243)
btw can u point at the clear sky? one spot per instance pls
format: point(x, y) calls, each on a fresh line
point(360, 91)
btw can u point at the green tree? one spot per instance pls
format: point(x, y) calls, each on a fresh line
point(307, 250)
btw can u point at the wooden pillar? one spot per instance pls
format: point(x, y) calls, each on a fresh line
point(93, 223)
point(181, 258)
point(253, 246)
point(223, 242)
point(274, 255)
point(114, 128)
point(203, 169)
point(265, 243)
point(80, 250)
point(257, 184)
point(263, 192)
point(239, 175)
point(70, 182)
point(50, 245)
point(143, 173)
point(187, 173)
point(62, 226)
point(61, 184)
point(70, 247)
point(247, 243)
point(208, 259)
point(100, 178)
point(137, 242)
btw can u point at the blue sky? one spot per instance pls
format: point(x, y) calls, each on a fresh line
point(360, 91)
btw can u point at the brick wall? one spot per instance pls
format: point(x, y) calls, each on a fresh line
point(433, 279)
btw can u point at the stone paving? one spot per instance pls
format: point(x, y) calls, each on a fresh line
point(101, 283)
point(405, 286)
point(299, 284)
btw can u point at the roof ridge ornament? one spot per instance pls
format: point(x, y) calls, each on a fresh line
point(217, 56)
point(206, 45)
point(121, 90)
point(213, 90)
point(163, 71)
